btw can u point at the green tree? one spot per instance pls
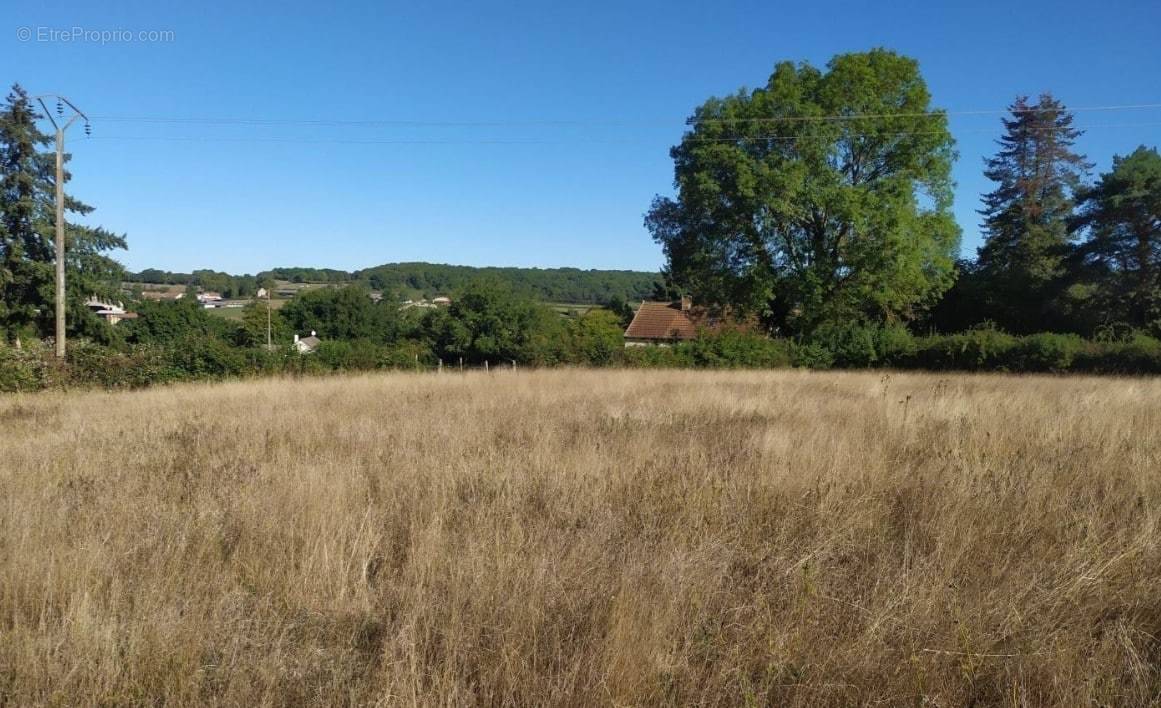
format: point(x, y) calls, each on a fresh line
point(491, 321)
point(822, 196)
point(621, 309)
point(170, 322)
point(27, 199)
point(252, 329)
point(345, 312)
point(1026, 217)
point(1121, 217)
point(597, 338)
point(26, 254)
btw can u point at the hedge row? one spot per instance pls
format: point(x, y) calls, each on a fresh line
point(895, 348)
point(89, 365)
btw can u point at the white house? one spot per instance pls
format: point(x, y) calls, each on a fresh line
point(307, 345)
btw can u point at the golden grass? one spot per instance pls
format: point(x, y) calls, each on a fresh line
point(585, 538)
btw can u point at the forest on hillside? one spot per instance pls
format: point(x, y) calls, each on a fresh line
point(404, 280)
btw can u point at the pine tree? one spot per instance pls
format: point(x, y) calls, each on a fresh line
point(1026, 218)
point(27, 226)
point(1121, 217)
point(25, 254)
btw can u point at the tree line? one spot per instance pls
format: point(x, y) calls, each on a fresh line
point(813, 214)
point(400, 281)
point(823, 199)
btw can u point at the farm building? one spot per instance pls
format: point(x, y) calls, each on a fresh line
point(661, 323)
point(110, 312)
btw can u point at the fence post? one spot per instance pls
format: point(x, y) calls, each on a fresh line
point(461, 365)
point(485, 365)
point(440, 369)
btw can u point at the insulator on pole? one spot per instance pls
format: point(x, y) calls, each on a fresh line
point(59, 108)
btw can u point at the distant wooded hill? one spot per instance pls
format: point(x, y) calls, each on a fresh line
point(571, 285)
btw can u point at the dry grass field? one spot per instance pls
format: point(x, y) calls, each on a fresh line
point(585, 538)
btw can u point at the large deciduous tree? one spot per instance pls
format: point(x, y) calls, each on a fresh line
point(1121, 217)
point(27, 223)
point(823, 196)
point(1026, 217)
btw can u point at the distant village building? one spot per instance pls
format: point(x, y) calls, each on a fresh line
point(261, 293)
point(209, 298)
point(662, 323)
point(426, 304)
point(161, 295)
point(111, 313)
point(307, 345)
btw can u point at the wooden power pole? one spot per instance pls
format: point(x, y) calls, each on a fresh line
point(61, 127)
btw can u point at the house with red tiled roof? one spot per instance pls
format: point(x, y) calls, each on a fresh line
point(662, 323)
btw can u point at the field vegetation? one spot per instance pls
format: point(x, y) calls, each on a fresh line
point(587, 537)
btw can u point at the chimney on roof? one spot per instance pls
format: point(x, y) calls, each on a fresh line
point(312, 333)
point(686, 303)
point(296, 339)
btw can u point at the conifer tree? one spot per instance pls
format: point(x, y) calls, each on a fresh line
point(1026, 217)
point(25, 254)
point(27, 214)
point(1121, 217)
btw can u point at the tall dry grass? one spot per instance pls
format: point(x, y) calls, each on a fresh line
point(585, 538)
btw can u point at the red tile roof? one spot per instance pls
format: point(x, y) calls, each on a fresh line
point(661, 320)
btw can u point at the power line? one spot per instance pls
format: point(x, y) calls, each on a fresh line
point(519, 141)
point(576, 122)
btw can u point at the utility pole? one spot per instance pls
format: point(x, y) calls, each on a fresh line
point(61, 127)
point(269, 344)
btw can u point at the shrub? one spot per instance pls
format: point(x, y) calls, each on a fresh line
point(1138, 354)
point(22, 370)
point(894, 345)
point(201, 358)
point(1047, 352)
point(357, 355)
point(851, 346)
point(734, 349)
point(975, 350)
point(137, 367)
point(811, 356)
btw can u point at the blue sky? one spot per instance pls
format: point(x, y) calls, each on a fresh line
point(570, 111)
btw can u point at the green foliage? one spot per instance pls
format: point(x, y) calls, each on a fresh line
point(490, 321)
point(547, 284)
point(596, 338)
point(208, 358)
point(733, 349)
point(23, 369)
point(1026, 217)
point(984, 348)
point(894, 346)
point(136, 367)
point(340, 355)
point(811, 355)
point(807, 222)
point(1138, 353)
point(251, 330)
point(623, 309)
point(851, 346)
point(342, 313)
point(1047, 351)
point(168, 322)
point(1121, 256)
point(27, 229)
